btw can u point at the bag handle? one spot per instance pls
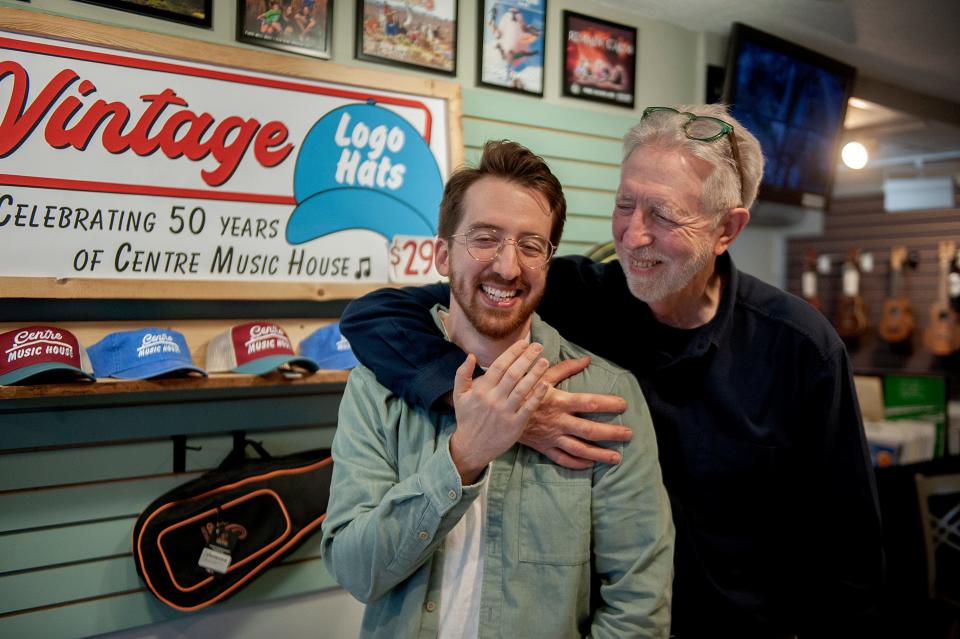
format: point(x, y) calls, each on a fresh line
point(238, 455)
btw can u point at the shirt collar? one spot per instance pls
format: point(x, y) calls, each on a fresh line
point(722, 323)
point(540, 332)
point(717, 330)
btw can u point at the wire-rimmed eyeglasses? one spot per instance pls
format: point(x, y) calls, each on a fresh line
point(485, 244)
point(705, 128)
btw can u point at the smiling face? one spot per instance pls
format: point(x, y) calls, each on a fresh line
point(666, 242)
point(496, 298)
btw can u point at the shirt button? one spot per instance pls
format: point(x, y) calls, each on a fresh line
point(424, 535)
point(431, 606)
point(452, 494)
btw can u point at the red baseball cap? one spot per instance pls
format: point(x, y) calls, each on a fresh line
point(255, 348)
point(32, 350)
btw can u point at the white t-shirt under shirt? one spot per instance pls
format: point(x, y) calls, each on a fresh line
point(463, 571)
point(463, 548)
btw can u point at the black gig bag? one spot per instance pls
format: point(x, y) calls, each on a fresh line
point(204, 540)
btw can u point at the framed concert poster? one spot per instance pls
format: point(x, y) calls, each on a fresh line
point(413, 33)
point(199, 13)
point(599, 60)
point(297, 26)
point(511, 36)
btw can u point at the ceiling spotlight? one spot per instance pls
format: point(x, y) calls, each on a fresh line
point(854, 155)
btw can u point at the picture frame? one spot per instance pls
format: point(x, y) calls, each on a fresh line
point(599, 60)
point(419, 34)
point(197, 13)
point(511, 37)
point(297, 26)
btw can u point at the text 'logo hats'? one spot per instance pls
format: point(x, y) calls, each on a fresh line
point(364, 167)
point(329, 348)
point(255, 348)
point(30, 351)
point(142, 354)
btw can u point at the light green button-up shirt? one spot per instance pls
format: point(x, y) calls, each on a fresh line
point(568, 553)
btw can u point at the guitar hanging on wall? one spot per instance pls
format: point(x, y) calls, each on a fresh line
point(942, 336)
point(897, 323)
point(851, 312)
point(808, 280)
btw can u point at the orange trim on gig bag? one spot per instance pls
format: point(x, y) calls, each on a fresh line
point(262, 509)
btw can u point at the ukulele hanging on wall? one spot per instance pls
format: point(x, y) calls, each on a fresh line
point(851, 312)
point(897, 323)
point(942, 336)
point(953, 282)
point(808, 280)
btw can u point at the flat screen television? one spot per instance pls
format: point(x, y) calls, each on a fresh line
point(794, 100)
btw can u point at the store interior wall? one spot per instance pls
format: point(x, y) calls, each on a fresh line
point(671, 70)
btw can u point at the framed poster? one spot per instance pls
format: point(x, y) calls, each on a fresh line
point(599, 60)
point(413, 33)
point(199, 13)
point(297, 26)
point(510, 44)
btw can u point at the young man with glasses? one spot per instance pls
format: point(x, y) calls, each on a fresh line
point(438, 519)
point(760, 436)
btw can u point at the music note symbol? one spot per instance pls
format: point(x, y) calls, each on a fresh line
point(366, 273)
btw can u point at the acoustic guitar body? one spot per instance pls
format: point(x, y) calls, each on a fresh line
point(942, 336)
point(898, 323)
point(851, 317)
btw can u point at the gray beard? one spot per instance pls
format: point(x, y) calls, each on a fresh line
point(673, 282)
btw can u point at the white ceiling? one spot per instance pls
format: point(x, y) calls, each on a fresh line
point(911, 44)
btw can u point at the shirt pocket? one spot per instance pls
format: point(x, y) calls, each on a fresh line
point(555, 517)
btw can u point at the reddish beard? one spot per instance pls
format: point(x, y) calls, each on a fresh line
point(493, 322)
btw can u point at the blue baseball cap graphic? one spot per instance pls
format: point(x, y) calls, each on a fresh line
point(142, 354)
point(364, 167)
point(329, 348)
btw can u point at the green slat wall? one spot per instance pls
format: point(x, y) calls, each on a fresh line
point(67, 511)
point(582, 147)
point(92, 617)
point(83, 465)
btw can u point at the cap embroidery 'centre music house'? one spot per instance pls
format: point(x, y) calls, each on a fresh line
point(142, 354)
point(27, 353)
point(255, 348)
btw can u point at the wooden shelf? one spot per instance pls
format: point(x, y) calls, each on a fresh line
point(214, 381)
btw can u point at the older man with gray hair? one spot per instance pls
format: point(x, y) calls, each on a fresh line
point(760, 436)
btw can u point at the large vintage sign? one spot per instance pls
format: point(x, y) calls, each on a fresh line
point(134, 166)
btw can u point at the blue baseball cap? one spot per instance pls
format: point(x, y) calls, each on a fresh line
point(142, 354)
point(362, 166)
point(328, 347)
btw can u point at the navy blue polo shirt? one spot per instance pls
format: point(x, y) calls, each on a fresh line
point(760, 437)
